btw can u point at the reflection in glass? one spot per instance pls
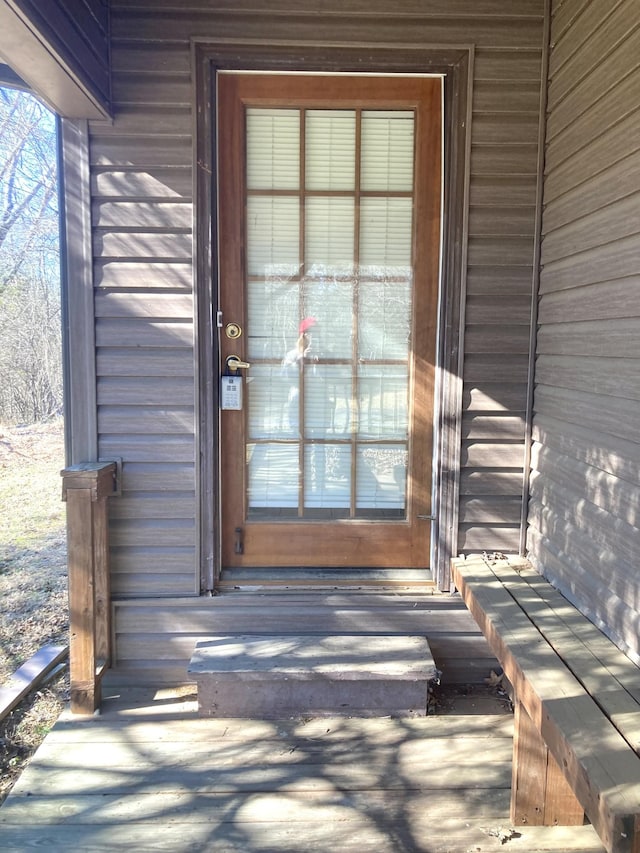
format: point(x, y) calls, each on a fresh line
point(327, 476)
point(273, 475)
point(384, 321)
point(272, 314)
point(330, 302)
point(327, 400)
point(272, 403)
point(382, 399)
point(382, 475)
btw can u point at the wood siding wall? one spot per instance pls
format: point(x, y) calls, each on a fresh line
point(584, 515)
point(154, 640)
point(142, 206)
point(142, 214)
point(77, 31)
point(506, 107)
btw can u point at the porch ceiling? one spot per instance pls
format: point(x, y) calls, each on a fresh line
point(32, 56)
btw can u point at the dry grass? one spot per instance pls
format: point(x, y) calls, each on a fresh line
point(33, 581)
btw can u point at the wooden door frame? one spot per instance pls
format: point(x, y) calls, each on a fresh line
point(456, 64)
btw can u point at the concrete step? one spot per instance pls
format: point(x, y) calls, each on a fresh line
point(285, 676)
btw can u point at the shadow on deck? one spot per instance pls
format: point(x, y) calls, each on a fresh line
point(148, 774)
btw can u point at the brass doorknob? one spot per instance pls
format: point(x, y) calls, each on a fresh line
point(234, 363)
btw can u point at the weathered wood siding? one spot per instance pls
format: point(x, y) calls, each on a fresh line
point(142, 211)
point(142, 186)
point(154, 639)
point(499, 278)
point(77, 32)
point(584, 516)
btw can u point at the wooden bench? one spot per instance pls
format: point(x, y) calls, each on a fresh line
point(577, 703)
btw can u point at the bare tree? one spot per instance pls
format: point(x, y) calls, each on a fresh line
point(30, 359)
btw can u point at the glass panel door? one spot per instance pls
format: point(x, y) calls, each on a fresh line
point(329, 235)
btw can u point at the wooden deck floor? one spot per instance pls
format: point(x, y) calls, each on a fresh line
point(149, 775)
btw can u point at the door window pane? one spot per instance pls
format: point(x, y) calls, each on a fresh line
point(330, 141)
point(384, 319)
point(273, 476)
point(382, 478)
point(330, 304)
point(382, 401)
point(273, 147)
point(327, 476)
point(328, 244)
point(387, 150)
point(272, 315)
point(327, 401)
point(273, 235)
point(273, 400)
point(386, 234)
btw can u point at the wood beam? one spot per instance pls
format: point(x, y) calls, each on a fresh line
point(540, 794)
point(86, 488)
point(34, 59)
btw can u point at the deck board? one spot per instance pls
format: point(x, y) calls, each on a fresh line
point(149, 774)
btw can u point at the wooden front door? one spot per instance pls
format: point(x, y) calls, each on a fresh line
point(329, 239)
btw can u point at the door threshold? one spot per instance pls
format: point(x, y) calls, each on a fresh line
point(324, 578)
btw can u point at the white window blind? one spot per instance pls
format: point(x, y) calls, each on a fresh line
point(273, 149)
point(329, 229)
point(387, 150)
point(273, 476)
point(273, 228)
point(327, 476)
point(384, 321)
point(382, 477)
point(385, 234)
point(330, 149)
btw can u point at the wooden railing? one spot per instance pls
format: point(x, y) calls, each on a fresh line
point(85, 488)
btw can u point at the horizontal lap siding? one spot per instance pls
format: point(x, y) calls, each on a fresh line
point(141, 205)
point(148, 653)
point(142, 234)
point(498, 306)
point(584, 519)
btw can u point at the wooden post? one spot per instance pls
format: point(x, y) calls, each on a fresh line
point(540, 794)
point(85, 488)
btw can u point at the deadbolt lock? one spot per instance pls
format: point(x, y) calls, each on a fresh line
point(232, 331)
